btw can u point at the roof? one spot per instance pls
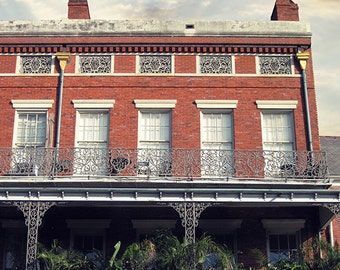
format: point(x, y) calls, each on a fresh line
point(331, 145)
point(154, 27)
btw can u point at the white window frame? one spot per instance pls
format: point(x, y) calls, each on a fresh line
point(223, 166)
point(159, 162)
point(273, 162)
point(93, 106)
point(29, 107)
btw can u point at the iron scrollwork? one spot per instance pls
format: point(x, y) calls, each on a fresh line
point(36, 64)
point(155, 63)
point(216, 64)
point(275, 65)
point(190, 214)
point(95, 64)
point(33, 213)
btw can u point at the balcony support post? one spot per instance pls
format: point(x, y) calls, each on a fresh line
point(190, 214)
point(33, 213)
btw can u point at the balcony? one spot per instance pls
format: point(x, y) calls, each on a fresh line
point(156, 163)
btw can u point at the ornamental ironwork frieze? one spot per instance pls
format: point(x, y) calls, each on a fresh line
point(36, 64)
point(155, 63)
point(275, 65)
point(95, 64)
point(216, 64)
point(190, 214)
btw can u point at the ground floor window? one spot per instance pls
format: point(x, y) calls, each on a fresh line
point(282, 247)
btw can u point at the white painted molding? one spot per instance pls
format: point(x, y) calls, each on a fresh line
point(216, 104)
point(276, 104)
point(287, 226)
point(155, 103)
point(32, 103)
point(93, 103)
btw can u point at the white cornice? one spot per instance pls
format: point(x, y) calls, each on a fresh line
point(32, 103)
point(216, 104)
point(276, 104)
point(93, 103)
point(155, 103)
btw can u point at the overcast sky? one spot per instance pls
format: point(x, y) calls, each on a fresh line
point(323, 15)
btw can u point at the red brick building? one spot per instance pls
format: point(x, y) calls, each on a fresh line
point(113, 129)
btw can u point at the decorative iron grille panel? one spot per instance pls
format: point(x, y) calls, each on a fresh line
point(275, 65)
point(36, 64)
point(155, 63)
point(95, 64)
point(216, 64)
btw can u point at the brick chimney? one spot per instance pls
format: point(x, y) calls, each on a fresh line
point(78, 9)
point(285, 10)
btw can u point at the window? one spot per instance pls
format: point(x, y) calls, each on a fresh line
point(37, 64)
point(95, 64)
point(278, 130)
point(283, 238)
point(282, 247)
point(30, 135)
point(88, 236)
point(31, 129)
point(275, 65)
point(154, 136)
point(216, 64)
point(92, 127)
point(161, 64)
point(217, 133)
point(278, 135)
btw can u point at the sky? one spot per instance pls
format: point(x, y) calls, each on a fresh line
point(322, 15)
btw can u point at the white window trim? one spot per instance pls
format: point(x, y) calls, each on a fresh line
point(216, 104)
point(93, 103)
point(36, 104)
point(155, 103)
point(276, 104)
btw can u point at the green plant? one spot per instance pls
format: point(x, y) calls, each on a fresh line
point(58, 258)
point(139, 256)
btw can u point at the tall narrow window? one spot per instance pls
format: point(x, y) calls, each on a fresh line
point(31, 129)
point(92, 129)
point(92, 142)
point(30, 136)
point(217, 143)
point(278, 142)
point(154, 129)
point(155, 142)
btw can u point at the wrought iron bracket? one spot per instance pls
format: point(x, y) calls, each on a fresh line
point(333, 207)
point(33, 213)
point(189, 214)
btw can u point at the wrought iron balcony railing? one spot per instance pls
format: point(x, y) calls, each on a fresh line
point(185, 163)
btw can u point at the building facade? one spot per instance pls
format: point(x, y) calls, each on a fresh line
point(114, 129)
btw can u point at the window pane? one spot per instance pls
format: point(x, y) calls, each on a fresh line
point(217, 130)
point(93, 129)
point(31, 130)
point(283, 241)
point(273, 242)
point(155, 130)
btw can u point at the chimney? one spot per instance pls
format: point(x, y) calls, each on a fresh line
point(78, 9)
point(285, 10)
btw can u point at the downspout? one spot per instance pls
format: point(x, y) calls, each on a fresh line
point(63, 58)
point(303, 57)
